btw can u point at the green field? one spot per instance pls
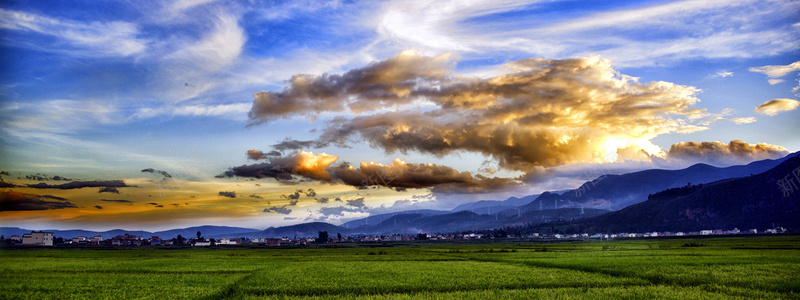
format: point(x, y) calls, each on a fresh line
point(716, 268)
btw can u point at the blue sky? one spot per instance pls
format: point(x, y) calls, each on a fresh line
point(103, 90)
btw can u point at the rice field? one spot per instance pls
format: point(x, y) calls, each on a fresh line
point(715, 268)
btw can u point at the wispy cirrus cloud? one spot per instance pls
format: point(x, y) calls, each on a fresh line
point(114, 38)
point(629, 35)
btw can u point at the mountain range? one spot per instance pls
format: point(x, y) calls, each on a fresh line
point(206, 231)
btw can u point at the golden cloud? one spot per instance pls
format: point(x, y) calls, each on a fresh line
point(720, 152)
point(540, 113)
point(775, 106)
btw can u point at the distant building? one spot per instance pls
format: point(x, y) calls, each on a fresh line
point(227, 241)
point(202, 243)
point(38, 238)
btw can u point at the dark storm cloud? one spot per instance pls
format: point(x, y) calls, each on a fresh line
point(16, 201)
point(80, 184)
point(228, 194)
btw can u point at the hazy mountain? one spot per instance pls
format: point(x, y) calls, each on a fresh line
point(302, 230)
point(412, 223)
point(487, 206)
point(207, 231)
point(749, 202)
point(382, 217)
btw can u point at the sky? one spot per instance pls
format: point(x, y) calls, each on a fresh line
point(168, 114)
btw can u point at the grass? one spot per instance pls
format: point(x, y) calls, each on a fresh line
point(755, 267)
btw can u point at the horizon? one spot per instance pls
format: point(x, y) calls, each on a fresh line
point(170, 115)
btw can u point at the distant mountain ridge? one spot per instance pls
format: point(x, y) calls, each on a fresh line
point(615, 192)
point(756, 201)
point(207, 231)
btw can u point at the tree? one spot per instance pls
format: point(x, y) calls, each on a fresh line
point(198, 234)
point(179, 239)
point(422, 236)
point(339, 235)
point(323, 237)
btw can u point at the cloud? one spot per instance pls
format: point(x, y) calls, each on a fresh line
point(358, 202)
point(116, 200)
point(624, 33)
point(256, 155)
point(227, 194)
point(276, 209)
point(288, 144)
point(322, 200)
point(777, 71)
point(338, 210)
point(310, 192)
point(282, 168)
point(114, 39)
point(717, 152)
point(254, 196)
point(746, 120)
point(153, 203)
point(775, 106)
point(159, 172)
point(724, 74)
point(109, 190)
point(44, 177)
point(16, 201)
point(98, 207)
point(294, 196)
point(401, 175)
point(538, 113)
point(4, 184)
point(53, 197)
point(80, 184)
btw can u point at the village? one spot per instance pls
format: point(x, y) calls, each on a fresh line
point(41, 238)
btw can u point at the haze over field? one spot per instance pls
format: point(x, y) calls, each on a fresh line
point(170, 114)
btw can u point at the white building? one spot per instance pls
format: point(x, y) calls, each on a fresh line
point(38, 238)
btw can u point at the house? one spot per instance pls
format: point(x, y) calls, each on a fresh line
point(227, 241)
point(38, 238)
point(202, 243)
point(274, 242)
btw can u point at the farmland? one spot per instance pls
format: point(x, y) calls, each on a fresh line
point(711, 268)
